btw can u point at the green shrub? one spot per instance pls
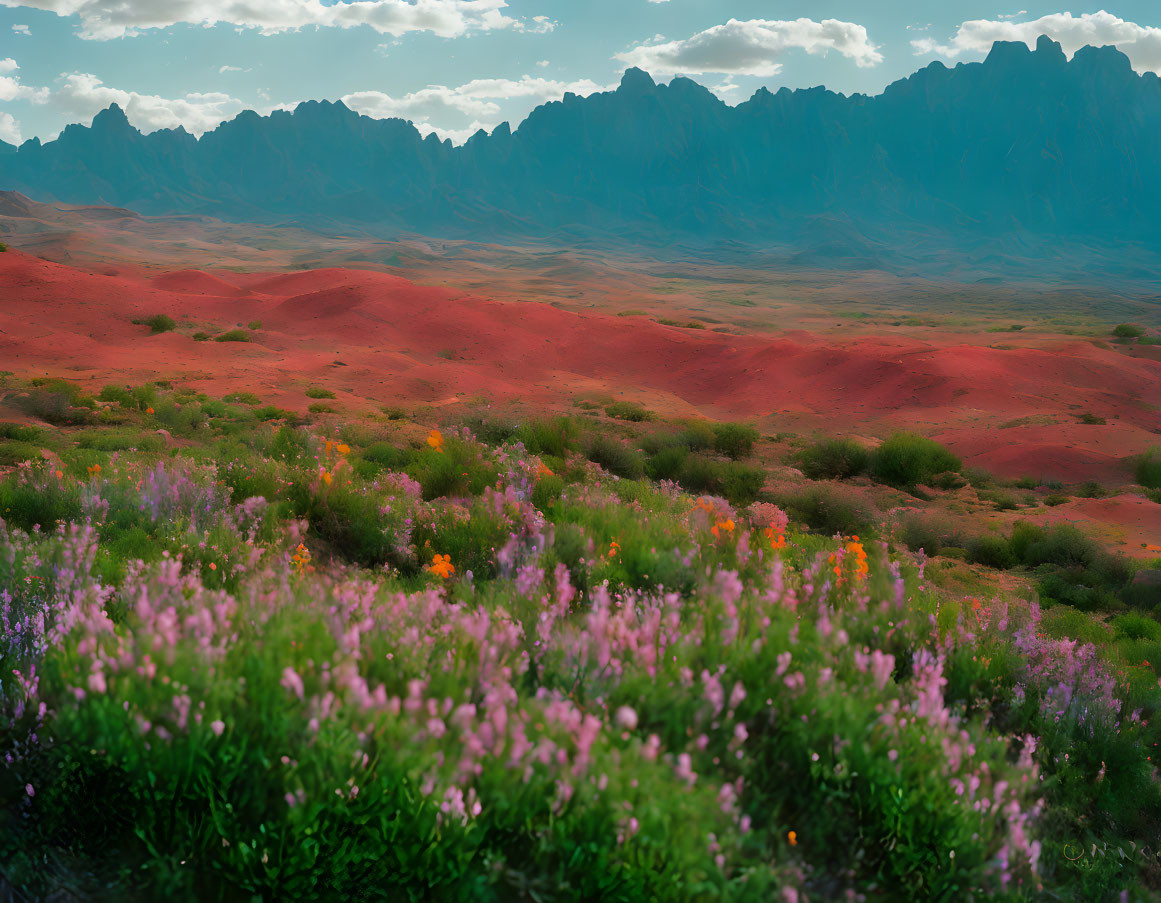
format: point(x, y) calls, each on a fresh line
point(829, 511)
point(254, 324)
point(318, 392)
point(548, 435)
point(1091, 419)
point(233, 335)
point(628, 410)
point(201, 336)
point(615, 457)
point(991, 551)
point(319, 408)
point(666, 463)
point(930, 533)
point(157, 323)
point(1149, 340)
point(833, 459)
point(1149, 469)
point(698, 435)
point(56, 402)
point(243, 398)
point(734, 440)
point(20, 432)
point(906, 460)
point(1128, 331)
point(1137, 627)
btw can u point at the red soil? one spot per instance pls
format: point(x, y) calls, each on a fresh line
point(369, 335)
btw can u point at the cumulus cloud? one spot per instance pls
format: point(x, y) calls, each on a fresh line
point(81, 96)
point(1141, 43)
point(11, 87)
point(476, 100)
point(752, 47)
point(9, 128)
point(102, 20)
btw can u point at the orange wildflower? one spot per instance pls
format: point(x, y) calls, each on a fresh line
point(149, 410)
point(614, 549)
point(777, 540)
point(344, 449)
point(326, 477)
point(542, 470)
point(442, 567)
point(213, 567)
point(793, 838)
point(301, 558)
point(722, 526)
point(435, 440)
point(60, 474)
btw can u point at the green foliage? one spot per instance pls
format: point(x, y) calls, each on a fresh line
point(991, 551)
point(54, 401)
point(20, 432)
point(615, 457)
point(1128, 331)
point(243, 398)
point(829, 511)
point(200, 336)
point(319, 407)
point(906, 460)
point(318, 392)
point(1149, 469)
point(628, 410)
point(254, 325)
point(734, 440)
point(833, 459)
point(157, 323)
point(233, 335)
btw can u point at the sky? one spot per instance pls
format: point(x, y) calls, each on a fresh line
point(455, 66)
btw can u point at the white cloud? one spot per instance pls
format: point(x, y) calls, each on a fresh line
point(752, 47)
point(9, 128)
point(12, 89)
point(543, 64)
point(222, 69)
point(540, 25)
point(103, 20)
point(1141, 43)
point(21, 29)
point(475, 100)
point(81, 96)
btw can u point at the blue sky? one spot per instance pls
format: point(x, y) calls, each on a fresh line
point(456, 65)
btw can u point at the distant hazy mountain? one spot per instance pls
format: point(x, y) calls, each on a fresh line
point(1026, 160)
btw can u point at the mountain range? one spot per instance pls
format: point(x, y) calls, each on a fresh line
point(1024, 162)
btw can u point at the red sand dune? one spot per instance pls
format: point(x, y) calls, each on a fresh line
point(369, 335)
point(197, 282)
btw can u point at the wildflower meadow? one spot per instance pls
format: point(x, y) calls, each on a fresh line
point(344, 660)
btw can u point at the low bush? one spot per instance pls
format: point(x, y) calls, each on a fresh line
point(233, 335)
point(828, 511)
point(906, 460)
point(157, 323)
point(1128, 331)
point(734, 440)
point(1148, 470)
point(318, 392)
point(833, 459)
point(628, 410)
point(614, 456)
